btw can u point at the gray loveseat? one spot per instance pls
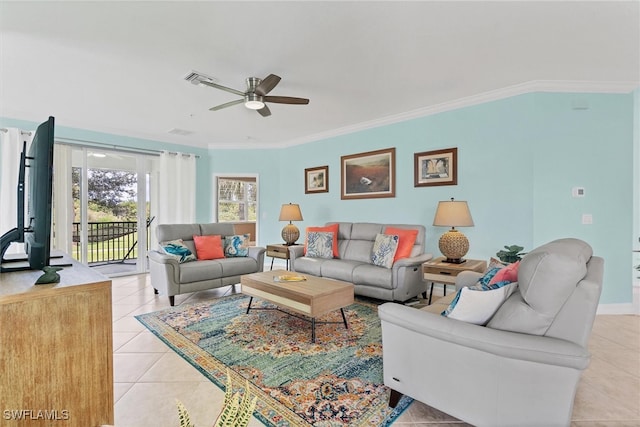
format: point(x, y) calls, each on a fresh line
point(523, 367)
point(171, 278)
point(355, 243)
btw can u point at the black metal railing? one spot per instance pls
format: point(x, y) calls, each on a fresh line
point(108, 242)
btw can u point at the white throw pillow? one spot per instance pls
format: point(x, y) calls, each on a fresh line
point(477, 305)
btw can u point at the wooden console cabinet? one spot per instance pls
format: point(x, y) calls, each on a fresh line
point(56, 349)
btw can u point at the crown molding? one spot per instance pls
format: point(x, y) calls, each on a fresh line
point(547, 86)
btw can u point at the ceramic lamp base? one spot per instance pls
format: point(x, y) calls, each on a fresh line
point(290, 234)
point(453, 245)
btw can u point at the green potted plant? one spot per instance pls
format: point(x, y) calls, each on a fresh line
point(512, 253)
point(235, 412)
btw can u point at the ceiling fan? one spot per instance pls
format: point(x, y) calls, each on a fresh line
point(255, 97)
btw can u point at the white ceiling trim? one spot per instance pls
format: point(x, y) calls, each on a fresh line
point(551, 86)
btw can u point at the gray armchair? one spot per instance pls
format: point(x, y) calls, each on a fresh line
point(523, 367)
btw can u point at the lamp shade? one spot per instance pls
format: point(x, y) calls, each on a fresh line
point(290, 212)
point(453, 213)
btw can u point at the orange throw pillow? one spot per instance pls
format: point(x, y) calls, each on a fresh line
point(333, 228)
point(407, 240)
point(208, 247)
point(507, 274)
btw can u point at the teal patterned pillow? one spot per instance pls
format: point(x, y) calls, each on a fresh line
point(319, 244)
point(384, 249)
point(236, 245)
point(177, 250)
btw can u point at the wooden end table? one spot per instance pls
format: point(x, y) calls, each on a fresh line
point(438, 271)
point(311, 298)
point(279, 250)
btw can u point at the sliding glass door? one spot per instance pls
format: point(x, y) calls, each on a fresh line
point(111, 209)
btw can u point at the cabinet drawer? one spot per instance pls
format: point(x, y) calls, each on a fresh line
point(278, 252)
point(439, 270)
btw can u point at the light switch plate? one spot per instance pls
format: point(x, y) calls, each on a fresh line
point(577, 192)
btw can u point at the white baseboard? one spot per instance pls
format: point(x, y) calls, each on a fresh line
point(627, 308)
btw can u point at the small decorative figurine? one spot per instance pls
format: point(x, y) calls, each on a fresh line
point(49, 276)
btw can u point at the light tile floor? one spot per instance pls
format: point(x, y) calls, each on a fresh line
point(149, 377)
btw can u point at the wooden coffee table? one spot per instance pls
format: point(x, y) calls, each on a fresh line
point(312, 297)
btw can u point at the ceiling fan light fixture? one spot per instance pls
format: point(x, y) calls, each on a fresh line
point(253, 101)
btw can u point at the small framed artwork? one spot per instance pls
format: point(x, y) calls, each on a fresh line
point(369, 175)
point(316, 180)
point(439, 167)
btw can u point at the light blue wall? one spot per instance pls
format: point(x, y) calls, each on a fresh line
point(518, 160)
point(202, 163)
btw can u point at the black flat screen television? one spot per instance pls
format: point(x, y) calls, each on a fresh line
point(34, 229)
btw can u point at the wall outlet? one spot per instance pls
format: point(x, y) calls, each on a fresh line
point(577, 192)
point(587, 219)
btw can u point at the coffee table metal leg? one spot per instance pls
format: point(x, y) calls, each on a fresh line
point(313, 330)
point(249, 307)
point(346, 325)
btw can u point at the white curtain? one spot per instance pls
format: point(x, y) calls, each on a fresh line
point(176, 188)
point(11, 144)
point(62, 199)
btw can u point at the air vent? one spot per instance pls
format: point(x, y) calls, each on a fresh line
point(195, 77)
point(181, 132)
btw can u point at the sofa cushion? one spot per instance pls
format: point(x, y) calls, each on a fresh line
point(208, 247)
point(477, 304)
point(236, 245)
point(320, 244)
point(331, 228)
point(310, 265)
point(547, 277)
point(368, 274)
point(200, 270)
point(407, 240)
point(178, 250)
point(167, 232)
point(341, 269)
point(384, 250)
point(238, 266)
point(220, 228)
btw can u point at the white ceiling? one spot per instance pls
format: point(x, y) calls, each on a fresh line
point(118, 67)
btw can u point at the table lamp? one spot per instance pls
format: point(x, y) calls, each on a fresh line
point(290, 232)
point(453, 244)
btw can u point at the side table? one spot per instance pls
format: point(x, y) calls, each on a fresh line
point(279, 250)
point(437, 271)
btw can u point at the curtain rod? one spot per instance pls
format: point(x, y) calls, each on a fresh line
point(22, 132)
point(76, 142)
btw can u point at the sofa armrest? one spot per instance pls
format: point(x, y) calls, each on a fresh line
point(512, 345)
point(467, 278)
point(412, 261)
point(164, 270)
point(295, 252)
point(257, 253)
point(161, 258)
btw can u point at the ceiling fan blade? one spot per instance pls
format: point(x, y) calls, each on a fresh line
point(217, 86)
point(286, 100)
point(267, 84)
point(264, 111)
point(228, 104)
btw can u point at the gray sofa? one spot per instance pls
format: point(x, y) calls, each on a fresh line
point(523, 367)
point(171, 278)
point(355, 243)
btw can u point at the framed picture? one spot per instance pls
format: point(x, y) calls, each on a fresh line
point(369, 175)
point(439, 167)
point(316, 180)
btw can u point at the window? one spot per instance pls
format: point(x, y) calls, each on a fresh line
point(237, 198)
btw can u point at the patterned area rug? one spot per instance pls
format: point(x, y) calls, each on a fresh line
point(336, 381)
